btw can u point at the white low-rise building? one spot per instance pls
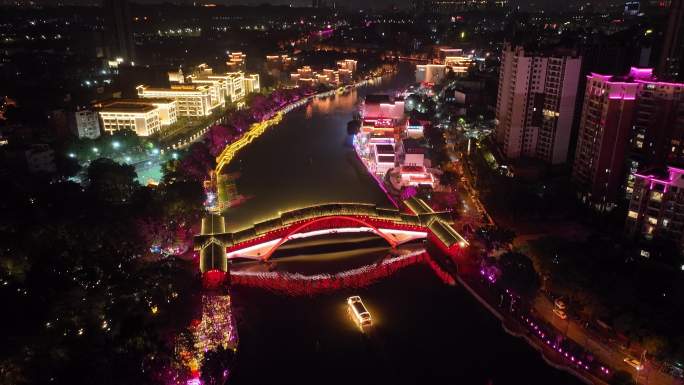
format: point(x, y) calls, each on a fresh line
point(414, 129)
point(231, 86)
point(168, 113)
point(430, 73)
point(141, 118)
point(193, 100)
point(384, 157)
point(416, 176)
point(252, 83)
point(87, 124)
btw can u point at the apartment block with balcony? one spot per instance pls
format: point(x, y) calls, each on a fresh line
point(656, 207)
point(607, 112)
point(628, 123)
point(536, 103)
point(657, 136)
point(87, 124)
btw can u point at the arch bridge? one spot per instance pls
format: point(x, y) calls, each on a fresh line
point(260, 241)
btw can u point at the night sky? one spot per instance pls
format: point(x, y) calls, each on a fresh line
point(524, 4)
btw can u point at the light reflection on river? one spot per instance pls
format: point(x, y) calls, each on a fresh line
point(304, 161)
point(426, 332)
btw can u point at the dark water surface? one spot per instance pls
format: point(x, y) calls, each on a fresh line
point(425, 332)
point(305, 160)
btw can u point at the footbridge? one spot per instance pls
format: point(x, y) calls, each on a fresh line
point(217, 246)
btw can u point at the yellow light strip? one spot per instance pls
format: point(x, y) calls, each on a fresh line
point(254, 132)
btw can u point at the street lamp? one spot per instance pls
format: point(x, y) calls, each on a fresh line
point(116, 144)
point(96, 150)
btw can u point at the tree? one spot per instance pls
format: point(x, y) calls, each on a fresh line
point(495, 236)
point(111, 182)
point(518, 273)
point(408, 192)
point(353, 127)
point(216, 364)
point(622, 377)
point(196, 163)
point(67, 167)
point(446, 201)
point(448, 178)
point(219, 137)
point(183, 201)
point(655, 344)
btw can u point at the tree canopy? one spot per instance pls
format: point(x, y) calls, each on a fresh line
point(518, 273)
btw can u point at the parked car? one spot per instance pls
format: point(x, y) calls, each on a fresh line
point(560, 313)
point(559, 303)
point(636, 364)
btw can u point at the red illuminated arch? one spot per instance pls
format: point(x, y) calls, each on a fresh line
point(299, 227)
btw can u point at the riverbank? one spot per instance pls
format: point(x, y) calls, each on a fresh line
point(515, 328)
point(597, 344)
point(256, 130)
point(424, 332)
point(559, 352)
point(304, 161)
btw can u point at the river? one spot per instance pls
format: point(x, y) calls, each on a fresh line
point(425, 332)
point(304, 161)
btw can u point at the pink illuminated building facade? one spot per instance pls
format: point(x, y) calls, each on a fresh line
point(606, 119)
point(382, 107)
point(628, 123)
point(657, 137)
point(656, 209)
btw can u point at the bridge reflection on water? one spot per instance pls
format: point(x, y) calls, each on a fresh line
point(283, 280)
point(428, 332)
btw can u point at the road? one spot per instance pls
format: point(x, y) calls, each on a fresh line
point(612, 355)
point(607, 353)
point(473, 210)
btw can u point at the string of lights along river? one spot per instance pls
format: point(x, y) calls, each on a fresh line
point(424, 331)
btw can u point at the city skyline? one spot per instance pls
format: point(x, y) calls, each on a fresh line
point(378, 4)
point(238, 195)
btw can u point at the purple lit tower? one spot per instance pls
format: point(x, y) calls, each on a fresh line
point(656, 209)
point(628, 122)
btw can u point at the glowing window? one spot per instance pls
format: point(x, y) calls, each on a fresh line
point(633, 214)
point(656, 196)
